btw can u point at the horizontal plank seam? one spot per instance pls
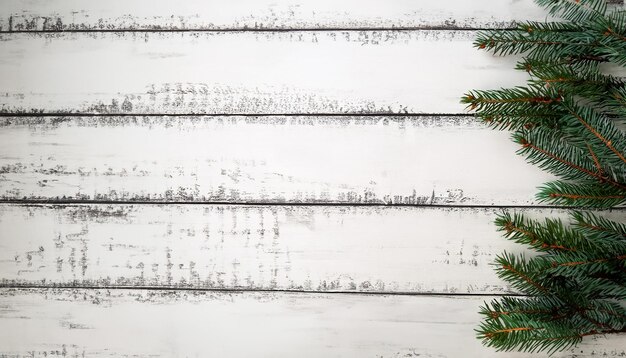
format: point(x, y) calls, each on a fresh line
point(243, 29)
point(321, 114)
point(355, 114)
point(251, 290)
point(300, 204)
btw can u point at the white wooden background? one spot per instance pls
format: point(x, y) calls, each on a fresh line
point(284, 178)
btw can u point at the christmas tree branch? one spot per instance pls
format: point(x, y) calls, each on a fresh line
point(587, 262)
point(547, 159)
point(575, 10)
point(582, 195)
point(565, 121)
point(598, 225)
point(608, 143)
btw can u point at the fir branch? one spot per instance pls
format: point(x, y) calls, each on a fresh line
point(597, 128)
point(588, 262)
point(575, 10)
point(565, 121)
point(544, 45)
point(553, 235)
point(609, 312)
point(595, 160)
point(548, 27)
point(547, 307)
point(520, 273)
point(602, 313)
point(581, 79)
point(581, 195)
point(516, 108)
point(523, 120)
point(513, 100)
point(580, 264)
point(525, 334)
point(615, 24)
point(598, 227)
point(600, 287)
point(538, 236)
point(550, 151)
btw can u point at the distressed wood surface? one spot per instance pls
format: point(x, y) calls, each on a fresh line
point(301, 72)
point(437, 160)
point(270, 102)
point(142, 323)
point(112, 15)
point(378, 249)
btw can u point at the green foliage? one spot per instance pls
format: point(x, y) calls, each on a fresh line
point(566, 118)
point(599, 228)
point(546, 323)
point(575, 10)
point(566, 121)
point(588, 233)
point(574, 284)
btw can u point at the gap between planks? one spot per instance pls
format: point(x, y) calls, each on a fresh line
point(249, 115)
point(256, 290)
point(321, 114)
point(305, 29)
point(78, 202)
point(275, 16)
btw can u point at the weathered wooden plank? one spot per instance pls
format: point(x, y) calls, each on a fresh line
point(362, 249)
point(140, 323)
point(241, 72)
point(395, 160)
point(63, 15)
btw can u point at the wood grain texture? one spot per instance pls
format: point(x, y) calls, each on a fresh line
point(299, 72)
point(141, 323)
point(112, 15)
point(362, 249)
point(277, 102)
point(438, 160)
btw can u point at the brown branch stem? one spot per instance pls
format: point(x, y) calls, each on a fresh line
point(606, 142)
point(600, 178)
